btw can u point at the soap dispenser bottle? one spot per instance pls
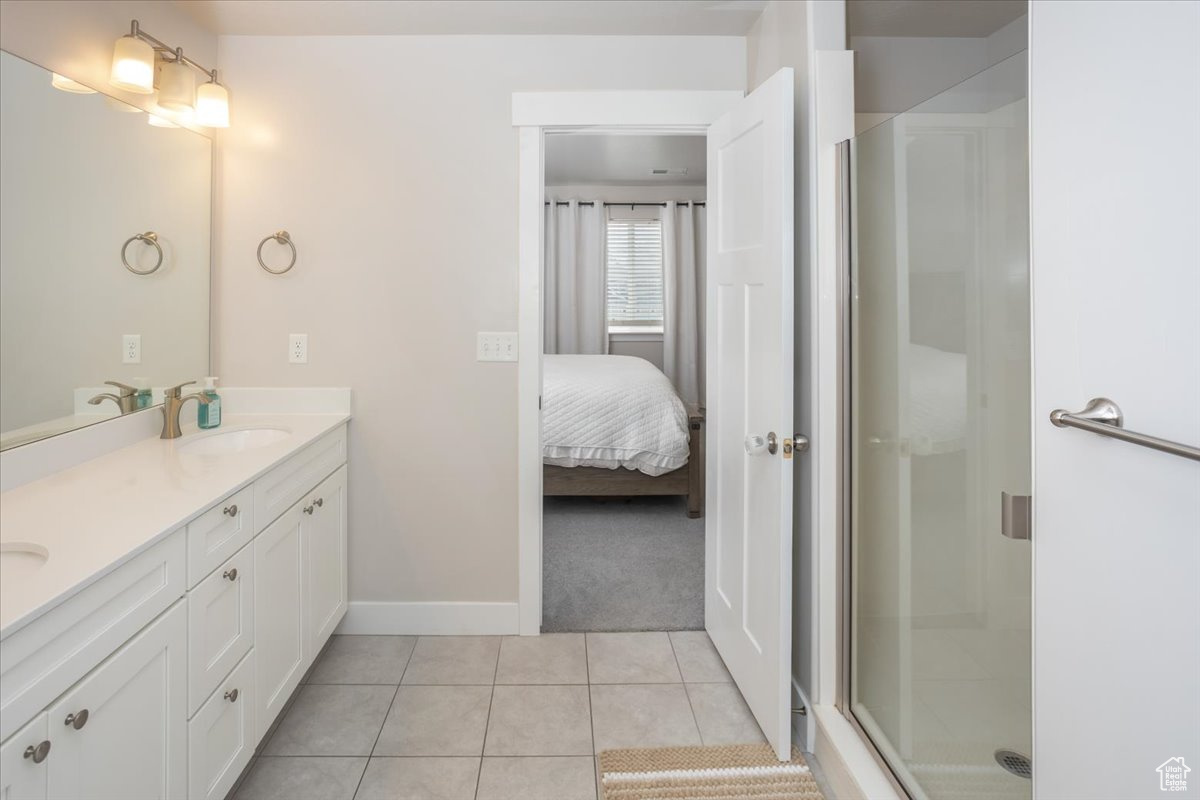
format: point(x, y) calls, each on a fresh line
point(145, 398)
point(209, 414)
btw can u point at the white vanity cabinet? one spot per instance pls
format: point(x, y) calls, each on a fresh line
point(122, 730)
point(159, 679)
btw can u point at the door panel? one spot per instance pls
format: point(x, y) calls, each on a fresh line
point(279, 615)
point(325, 559)
point(748, 530)
point(133, 742)
point(22, 778)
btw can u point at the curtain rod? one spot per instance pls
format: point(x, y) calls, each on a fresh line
point(660, 205)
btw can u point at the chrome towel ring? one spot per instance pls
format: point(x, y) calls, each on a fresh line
point(283, 237)
point(149, 237)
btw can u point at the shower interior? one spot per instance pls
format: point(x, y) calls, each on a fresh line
point(938, 602)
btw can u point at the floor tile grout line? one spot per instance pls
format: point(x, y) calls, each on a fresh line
point(386, 714)
point(587, 666)
point(686, 693)
point(487, 723)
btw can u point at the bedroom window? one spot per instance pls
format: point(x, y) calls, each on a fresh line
point(635, 276)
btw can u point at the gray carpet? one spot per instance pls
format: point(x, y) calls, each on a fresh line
point(621, 565)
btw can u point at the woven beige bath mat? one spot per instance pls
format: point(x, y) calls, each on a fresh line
point(737, 772)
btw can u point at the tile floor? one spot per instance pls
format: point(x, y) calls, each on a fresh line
point(485, 718)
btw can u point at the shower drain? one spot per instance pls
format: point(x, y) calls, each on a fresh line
point(1016, 763)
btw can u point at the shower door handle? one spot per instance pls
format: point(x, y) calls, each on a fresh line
point(1016, 515)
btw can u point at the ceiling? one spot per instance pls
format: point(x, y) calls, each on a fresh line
point(624, 160)
point(397, 17)
point(935, 18)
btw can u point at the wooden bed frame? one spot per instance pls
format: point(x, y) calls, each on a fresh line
point(599, 482)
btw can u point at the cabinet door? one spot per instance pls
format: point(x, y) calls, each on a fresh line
point(324, 528)
point(221, 737)
point(23, 762)
point(279, 633)
point(121, 732)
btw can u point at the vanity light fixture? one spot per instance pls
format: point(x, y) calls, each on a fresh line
point(133, 69)
point(65, 84)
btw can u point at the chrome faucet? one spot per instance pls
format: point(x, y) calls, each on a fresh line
point(173, 400)
point(126, 400)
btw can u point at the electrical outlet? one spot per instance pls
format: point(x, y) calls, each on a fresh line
point(131, 348)
point(495, 346)
point(298, 348)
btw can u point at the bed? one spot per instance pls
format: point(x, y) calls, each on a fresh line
point(614, 426)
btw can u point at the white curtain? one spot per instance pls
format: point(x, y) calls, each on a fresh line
point(684, 245)
point(574, 296)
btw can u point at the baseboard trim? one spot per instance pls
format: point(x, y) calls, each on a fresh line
point(430, 619)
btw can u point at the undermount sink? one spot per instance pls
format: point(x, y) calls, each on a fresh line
point(19, 560)
point(235, 441)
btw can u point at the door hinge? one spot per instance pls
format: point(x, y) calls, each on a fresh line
point(1016, 515)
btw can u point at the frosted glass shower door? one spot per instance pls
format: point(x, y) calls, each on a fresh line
point(939, 428)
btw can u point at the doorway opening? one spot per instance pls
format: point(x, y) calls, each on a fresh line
point(622, 381)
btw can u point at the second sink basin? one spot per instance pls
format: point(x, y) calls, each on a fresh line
point(19, 560)
point(234, 441)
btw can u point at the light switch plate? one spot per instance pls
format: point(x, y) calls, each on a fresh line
point(297, 348)
point(131, 348)
point(493, 346)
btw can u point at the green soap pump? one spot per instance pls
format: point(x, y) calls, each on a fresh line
point(209, 414)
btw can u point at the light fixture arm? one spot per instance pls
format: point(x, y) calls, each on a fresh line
point(135, 30)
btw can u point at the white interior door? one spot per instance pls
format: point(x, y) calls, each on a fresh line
point(748, 527)
point(1116, 313)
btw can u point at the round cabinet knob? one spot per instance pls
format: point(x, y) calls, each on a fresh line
point(308, 510)
point(319, 502)
point(757, 445)
point(77, 720)
point(230, 574)
point(38, 752)
point(230, 511)
point(232, 695)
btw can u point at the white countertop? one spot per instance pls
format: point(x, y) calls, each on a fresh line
point(97, 515)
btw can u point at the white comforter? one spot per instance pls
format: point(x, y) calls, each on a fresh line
point(611, 411)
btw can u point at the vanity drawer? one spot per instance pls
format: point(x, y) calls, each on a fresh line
point(42, 660)
point(220, 624)
point(276, 491)
point(221, 736)
point(218, 533)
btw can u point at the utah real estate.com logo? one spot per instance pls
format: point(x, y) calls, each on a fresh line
point(1172, 775)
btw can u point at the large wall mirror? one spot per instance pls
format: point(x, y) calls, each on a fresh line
point(104, 255)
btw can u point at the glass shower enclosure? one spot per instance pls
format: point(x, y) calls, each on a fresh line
point(938, 621)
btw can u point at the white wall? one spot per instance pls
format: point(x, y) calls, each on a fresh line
point(393, 163)
point(75, 37)
point(79, 179)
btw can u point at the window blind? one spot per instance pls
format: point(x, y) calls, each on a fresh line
point(635, 273)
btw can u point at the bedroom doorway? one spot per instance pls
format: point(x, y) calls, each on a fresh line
point(747, 364)
point(622, 381)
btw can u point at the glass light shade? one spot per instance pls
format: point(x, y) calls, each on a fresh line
point(65, 84)
point(177, 86)
point(212, 105)
point(133, 66)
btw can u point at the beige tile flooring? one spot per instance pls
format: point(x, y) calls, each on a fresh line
point(485, 718)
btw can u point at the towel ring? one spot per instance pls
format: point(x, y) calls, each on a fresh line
point(149, 237)
point(283, 237)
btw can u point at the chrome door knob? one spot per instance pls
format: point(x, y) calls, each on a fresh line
point(757, 445)
point(77, 720)
point(37, 753)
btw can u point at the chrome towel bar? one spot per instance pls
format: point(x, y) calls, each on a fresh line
point(1104, 417)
